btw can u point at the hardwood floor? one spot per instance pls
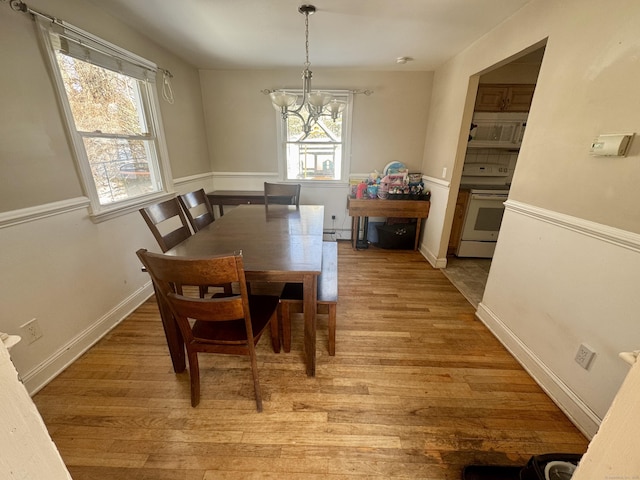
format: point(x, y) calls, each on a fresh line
point(418, 389)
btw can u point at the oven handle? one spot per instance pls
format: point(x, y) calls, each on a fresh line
point(489, 196)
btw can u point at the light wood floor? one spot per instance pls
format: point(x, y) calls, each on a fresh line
point(418, 388)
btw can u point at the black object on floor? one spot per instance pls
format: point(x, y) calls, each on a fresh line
point(398, 235)
point(533, 470)
point(491, 472)
point(535, 467)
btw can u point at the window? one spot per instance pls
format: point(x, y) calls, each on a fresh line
point(321, 155)
point(110, 102)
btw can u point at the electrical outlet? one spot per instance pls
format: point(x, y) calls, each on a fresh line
point(31, 330)
point(585, 356)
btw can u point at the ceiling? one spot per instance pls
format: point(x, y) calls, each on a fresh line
point(354, 34)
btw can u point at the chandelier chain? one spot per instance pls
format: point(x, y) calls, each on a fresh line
point(307, 64)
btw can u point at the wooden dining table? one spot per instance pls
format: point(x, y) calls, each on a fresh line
point(279, 243)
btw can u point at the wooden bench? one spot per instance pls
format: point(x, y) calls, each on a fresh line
point(327, 295)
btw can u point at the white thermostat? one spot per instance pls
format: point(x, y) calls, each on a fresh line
point(615, 145)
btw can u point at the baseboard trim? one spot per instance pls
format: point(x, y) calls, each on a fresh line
point(432, 258)
point(42, 374)
point(576, 410)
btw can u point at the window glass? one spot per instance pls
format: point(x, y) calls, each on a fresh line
point(109, 116)
point(320, 154)
point(110, 104)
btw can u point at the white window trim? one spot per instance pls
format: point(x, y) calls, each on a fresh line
point(346, 132)
point(100, 213)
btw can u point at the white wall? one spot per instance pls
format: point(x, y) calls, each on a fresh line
point(566, 263)
point(556, 282)
point(78, 278)
point(614, 451)
point(28, 451)
point(241, 127)
point(387, 125)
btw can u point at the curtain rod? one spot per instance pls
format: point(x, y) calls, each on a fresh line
point(367, 92)
point(20, 6)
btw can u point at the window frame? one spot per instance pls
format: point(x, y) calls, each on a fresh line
point(153, 117)
point(281, 132)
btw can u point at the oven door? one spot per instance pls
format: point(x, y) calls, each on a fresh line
point(484, 216)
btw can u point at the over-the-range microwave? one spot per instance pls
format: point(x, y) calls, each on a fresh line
point(497, 130)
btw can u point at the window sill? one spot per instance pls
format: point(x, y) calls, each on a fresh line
point(109, 213)
point(320, 183)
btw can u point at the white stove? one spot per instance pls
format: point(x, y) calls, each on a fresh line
point(482, 222)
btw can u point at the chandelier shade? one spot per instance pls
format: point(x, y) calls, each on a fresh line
point(283, 100)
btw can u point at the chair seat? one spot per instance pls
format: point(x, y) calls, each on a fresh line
point(233, 331)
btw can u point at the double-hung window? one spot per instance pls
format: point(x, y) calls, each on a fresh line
point(323, 153)
point(110, 103)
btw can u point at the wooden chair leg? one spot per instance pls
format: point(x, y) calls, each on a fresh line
point(332, 329)
point(256, 382)
point(285, 320)
point(194, 374)
point(275, 333)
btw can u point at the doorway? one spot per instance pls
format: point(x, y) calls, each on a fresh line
point(500, 91)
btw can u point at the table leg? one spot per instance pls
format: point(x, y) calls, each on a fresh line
point(175, 342)
point(417, 240)
point(310, 308)
point(354, 231)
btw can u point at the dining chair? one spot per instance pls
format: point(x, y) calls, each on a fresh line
point(282, 193)
point(229, 324)
point(166, 217)
point(197, 209)
point(169, 226)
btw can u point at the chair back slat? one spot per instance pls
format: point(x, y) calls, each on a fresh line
point(166, 215)
point(197, 208)
point(282, 193)
point(215, 309)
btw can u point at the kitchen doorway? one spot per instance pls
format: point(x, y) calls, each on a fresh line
point(501, 91)
point(469, 276)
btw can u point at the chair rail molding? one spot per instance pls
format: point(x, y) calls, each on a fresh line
point(615, 236)
point(178, 182)
point(30, 214)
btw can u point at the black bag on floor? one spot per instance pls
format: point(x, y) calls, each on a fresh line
point(397, 236)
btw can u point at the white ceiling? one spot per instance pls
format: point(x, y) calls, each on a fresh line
point(354, 34)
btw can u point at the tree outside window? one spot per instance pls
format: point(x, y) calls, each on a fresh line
point(108, 112)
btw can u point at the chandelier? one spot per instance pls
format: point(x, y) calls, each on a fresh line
point(317, 104)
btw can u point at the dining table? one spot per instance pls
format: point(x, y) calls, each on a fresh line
point(279, 243)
